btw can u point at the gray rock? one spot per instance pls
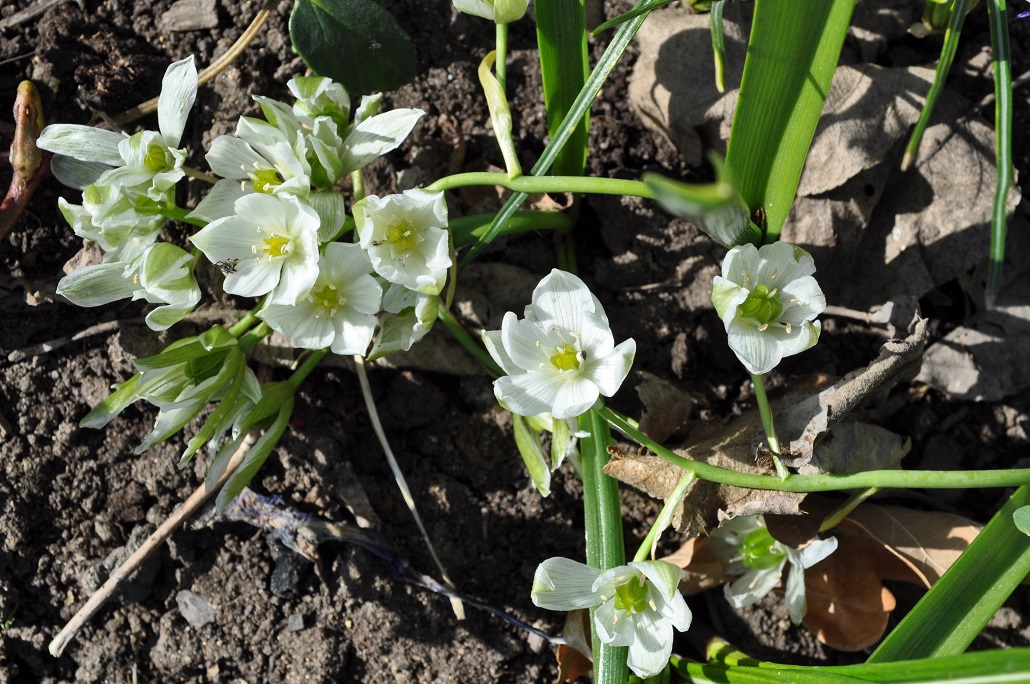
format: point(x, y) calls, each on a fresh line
point(197, 610)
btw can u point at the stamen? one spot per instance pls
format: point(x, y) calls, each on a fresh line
point(652, 604)
point(763, 327)
point(775, 273)
point(747, 276)
point(788, 328)
point(799, 302)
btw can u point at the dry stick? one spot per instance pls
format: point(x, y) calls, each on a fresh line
point(402, 484)
point(193, 504)
point(216, 67)
point(57, 343)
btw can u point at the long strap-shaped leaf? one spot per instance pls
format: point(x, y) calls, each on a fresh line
point(586, 96)
point(791, 55)
point(952, 613)
point(1002, 140)
point(562, 38)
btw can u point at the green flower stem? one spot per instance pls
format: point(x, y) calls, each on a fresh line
point(243, 325)
point(664, 518)
point(467, 229)
point(501, 66)
point(304, 370)
point(884, 479)
point(768, 424)
point(603, 530)
point(250, 340)
point(465, 340)
point(536, 184)
point(357, 181)
point(179, 214)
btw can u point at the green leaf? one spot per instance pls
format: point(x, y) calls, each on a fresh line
point(718, 45)
point(623, 37)
point(716, 208)
point(1001, 55)
point(500, 115)
point(532, 454)
point(791, 56)
point(256, 456)
point(354, 42)
point(1021, 517)
point(952, 613)
point(216, 422)
point(562, 38)
point(982, 667)
point(116, 402)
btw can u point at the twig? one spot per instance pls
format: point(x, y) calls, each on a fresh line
point(193, 504)
point(402, 484)
point(57, 343)
point(216, 67)
point(30, 13)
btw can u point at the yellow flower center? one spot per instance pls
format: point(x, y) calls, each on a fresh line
point(266, 180)
point(566, 359)
point(277, 246)
point(328, 299)
point(402, 237)
point(632, 596)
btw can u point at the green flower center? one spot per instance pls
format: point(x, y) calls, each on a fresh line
point(402, 238)
point(566, 359)
point(760, 550)
point(328, 299)
point(156, 159)
point(277, 246)
point(632, 596)
point(266, 180)
point(761, 307)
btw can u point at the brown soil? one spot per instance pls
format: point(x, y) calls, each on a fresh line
point(72, 500)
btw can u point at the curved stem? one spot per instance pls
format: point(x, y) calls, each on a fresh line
point(501, 67)
point(536, 184)
point(768, 424)
point(884, 479)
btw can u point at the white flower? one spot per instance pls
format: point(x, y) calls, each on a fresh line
point(562, 355)
point(161, 274)
point(150, 162)
point(406, 318)
point(638, 605)
point(768, 300)
point(406, 239)
point(269, 245)
point(500, 11)
point(340, 311)
point(748, 550)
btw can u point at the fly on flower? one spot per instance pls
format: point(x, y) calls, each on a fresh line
point(227, 266)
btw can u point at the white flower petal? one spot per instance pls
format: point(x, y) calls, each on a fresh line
point(816, 551)
point(529, 393)
point(759, 352)
point(609, 372)
point(595, 336)
point(494, 346)
point(797, 602)
point(76, 173)
point(753, 585)
point(353, 332)
point(574, 396)
point(664, 576)
point(726, 297)
point(782, 263)
point(802, 300)
point(560, 301)
point(613, 626)
point(231, 157)
point(528, 345)
point(376, 136)
point(84, 143)
point(300, 324)
point(563, 584)
point(178, 93)
point(740, 265)
point(220, 200)
point(652, 644)
point(96, 285)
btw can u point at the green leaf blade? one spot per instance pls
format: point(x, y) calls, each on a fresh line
point(354, 42)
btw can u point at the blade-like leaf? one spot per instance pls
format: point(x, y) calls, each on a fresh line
point(562, 38)
point(532, 454)
point(792, 53)
point(354, 42)
point(953, 612)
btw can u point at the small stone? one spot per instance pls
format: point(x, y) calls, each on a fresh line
point(197, 610)
point(190, 15)
point(295, 623)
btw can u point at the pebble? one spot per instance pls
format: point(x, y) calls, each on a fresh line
point(197, 610)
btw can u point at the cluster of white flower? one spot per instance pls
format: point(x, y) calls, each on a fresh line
point(272, 219)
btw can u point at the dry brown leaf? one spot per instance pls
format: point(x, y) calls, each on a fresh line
point(928, 541)
point(666, 407)
point(731, 448)
point(575, 657)
point(848, 606)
